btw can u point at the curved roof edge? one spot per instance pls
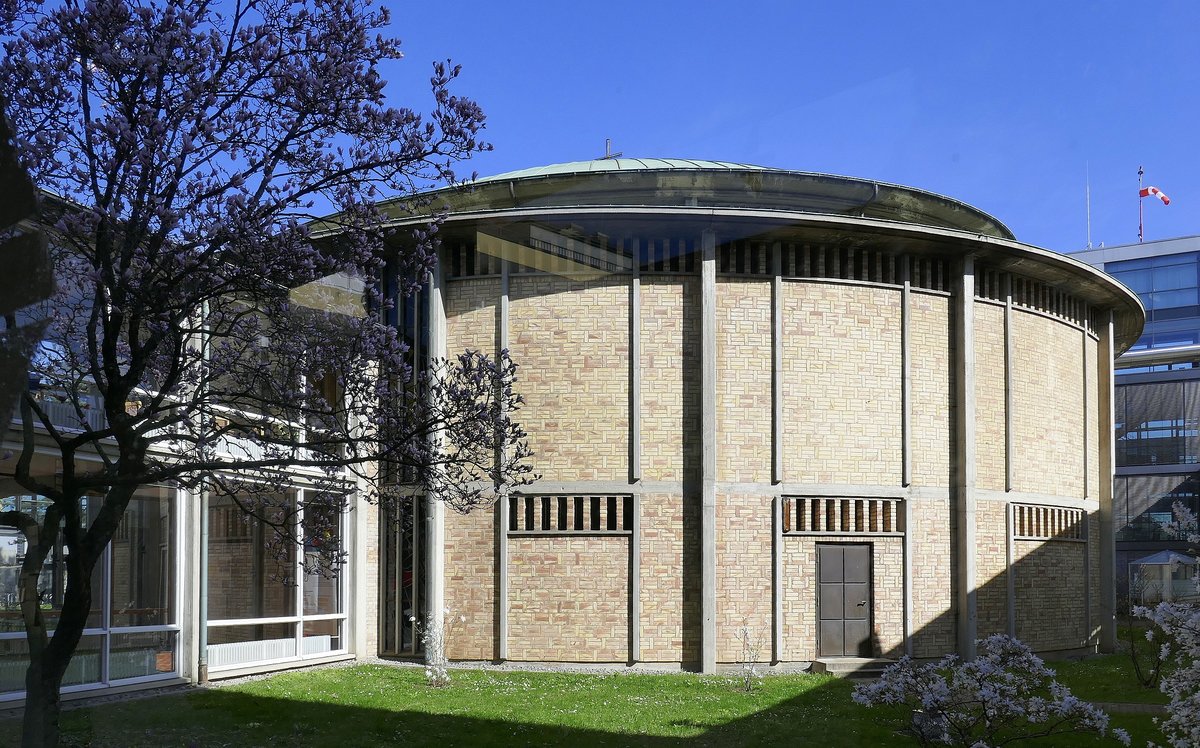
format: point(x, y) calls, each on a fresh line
point(653, 182)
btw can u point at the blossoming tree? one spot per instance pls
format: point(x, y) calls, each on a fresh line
point(187, 146)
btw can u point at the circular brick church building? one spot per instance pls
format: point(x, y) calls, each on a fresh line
point(846, 418)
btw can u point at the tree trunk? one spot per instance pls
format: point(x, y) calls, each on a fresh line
point(39, 728)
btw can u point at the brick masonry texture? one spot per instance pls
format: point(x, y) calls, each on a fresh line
point(670, 593)
point(1050, 594)
point(470, 583)
point(670, 371)
point(744, 383)
point(841, 384)
point(800, 592)
point(471, 315)
point(932, 584)
point(932, 389)
point(571, 339)
point(743, 573)
point(990, 435)
point(1047, 407)
point(991, 561)
point(569, 599)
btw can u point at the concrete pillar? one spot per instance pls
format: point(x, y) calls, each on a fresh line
point(708, 460)
point(502, 519)
point(964, 458)
point(1106, 356)
point(435, 510)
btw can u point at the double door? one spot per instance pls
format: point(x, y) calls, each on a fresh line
point(844, 600)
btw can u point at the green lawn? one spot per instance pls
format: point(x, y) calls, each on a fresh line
point(368, 705)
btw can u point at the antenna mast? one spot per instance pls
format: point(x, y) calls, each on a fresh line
point(1140, 172)
point(1087, 170)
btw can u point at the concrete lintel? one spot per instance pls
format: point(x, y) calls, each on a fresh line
point(1043, 499)
point(708, 431)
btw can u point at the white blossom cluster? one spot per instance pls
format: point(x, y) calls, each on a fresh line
point(1006, 693)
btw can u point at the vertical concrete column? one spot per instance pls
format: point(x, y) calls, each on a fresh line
point(502, 519)
point(635, 582)
point(435, 510)
point(1009, 443)
point(963, 496)
point(777, 506)
point(906, 373)
point(1106, 356)
point(708, 459)
point(635, 366)
point(777, 363)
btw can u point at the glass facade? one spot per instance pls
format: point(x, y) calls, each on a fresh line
point(1169, 287)
point(268, 604)
point(133, 629)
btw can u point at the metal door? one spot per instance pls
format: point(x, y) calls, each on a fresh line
point(844, 600)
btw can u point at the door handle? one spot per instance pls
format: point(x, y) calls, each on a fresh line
point(863, 603)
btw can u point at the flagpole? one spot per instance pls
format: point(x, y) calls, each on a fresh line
point(1140, 205)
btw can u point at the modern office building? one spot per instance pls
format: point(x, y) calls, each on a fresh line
point(848, 418)
point(1157, 400)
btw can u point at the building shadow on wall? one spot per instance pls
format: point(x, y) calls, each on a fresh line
point(692, 488)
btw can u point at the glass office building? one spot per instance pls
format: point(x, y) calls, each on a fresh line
point(1157, 394)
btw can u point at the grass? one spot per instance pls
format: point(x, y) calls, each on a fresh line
point(367, 705)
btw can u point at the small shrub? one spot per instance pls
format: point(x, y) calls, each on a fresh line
point(749, 673)
point(434, 636)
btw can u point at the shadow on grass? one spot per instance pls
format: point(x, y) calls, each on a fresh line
point(711, 714)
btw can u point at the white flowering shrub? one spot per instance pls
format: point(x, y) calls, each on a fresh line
point(1177, 633)
point(1006, 693)
point(435, 633)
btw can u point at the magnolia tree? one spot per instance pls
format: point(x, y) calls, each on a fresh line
point(187, 145)
point(1005, 694)
point(1177, 634)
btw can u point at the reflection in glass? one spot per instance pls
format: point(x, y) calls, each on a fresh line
point(141, 654)
point(245, 578)
point(143, 562)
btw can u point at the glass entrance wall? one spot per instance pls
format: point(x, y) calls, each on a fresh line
point(267, 606)
point(404, 541)
point(132, 633)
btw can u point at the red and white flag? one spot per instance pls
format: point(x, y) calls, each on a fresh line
point(1148, 191)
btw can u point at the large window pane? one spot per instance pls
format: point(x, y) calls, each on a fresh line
point(322, 531)
point(143, 562)
point(1149, 499)
point(141, 654)
point(246, 578)
point(322, 636)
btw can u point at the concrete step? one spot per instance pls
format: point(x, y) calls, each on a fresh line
point(851, 667)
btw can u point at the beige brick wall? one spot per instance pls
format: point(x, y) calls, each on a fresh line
point(568, 599)
point(841, 384)
point(991, 562)
point(744, 573)
point(471, 309)
point(1049, 594)
point(990, 459)
point(670, 372)
point(932, 389)
point(470, 583)
point(1047, 406)
point(800, 589)
point(571, 339)
point(670, 599)
point(744, 423)
point(932, 584)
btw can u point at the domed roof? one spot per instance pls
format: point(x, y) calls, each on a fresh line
point(696, 183)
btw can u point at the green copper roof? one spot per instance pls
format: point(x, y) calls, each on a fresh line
point(621, 164)
point(690, 183)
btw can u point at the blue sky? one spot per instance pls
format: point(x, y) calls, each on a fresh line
point(1005, 105)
